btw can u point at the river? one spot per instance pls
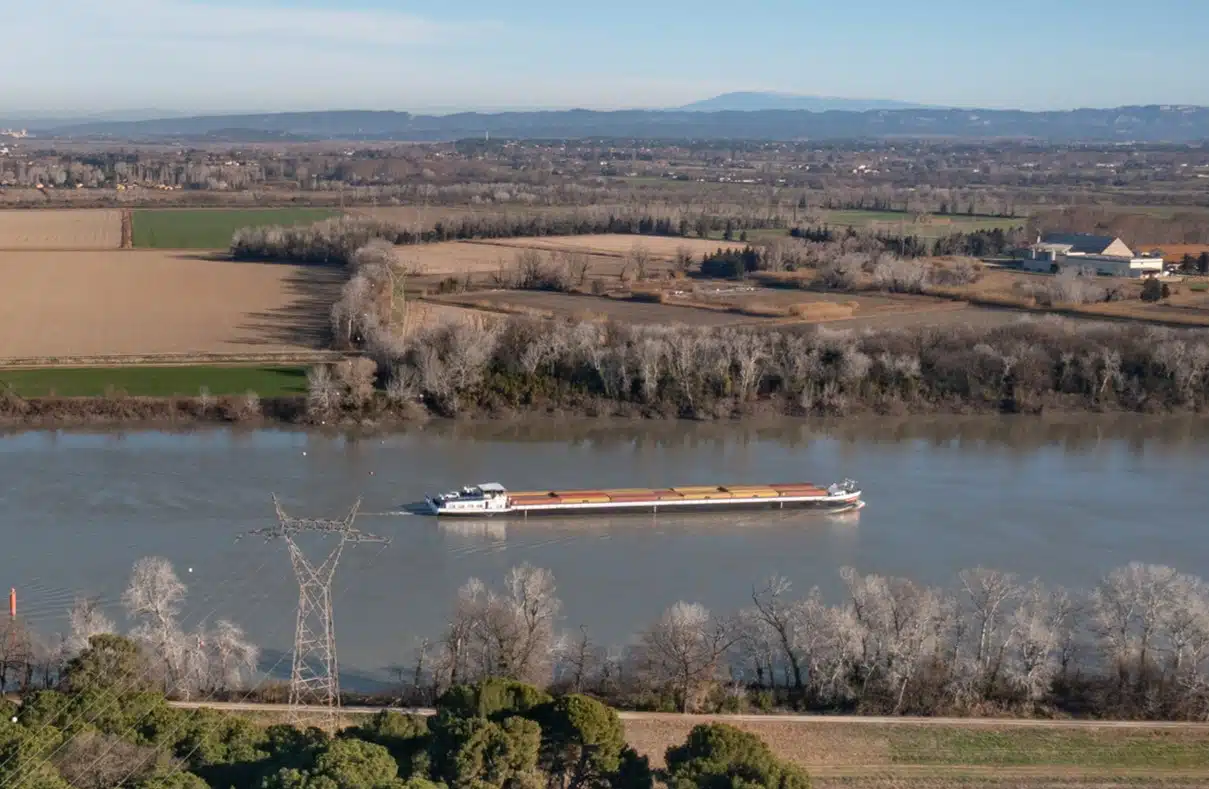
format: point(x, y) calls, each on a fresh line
point(1060, 499)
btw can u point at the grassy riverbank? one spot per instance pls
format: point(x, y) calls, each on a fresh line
point(182, 381)
point(853, 754)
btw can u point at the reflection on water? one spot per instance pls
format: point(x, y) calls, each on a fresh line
point(498, 529)
point(1064, 499)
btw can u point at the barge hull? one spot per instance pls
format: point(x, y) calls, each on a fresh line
point(655, 507)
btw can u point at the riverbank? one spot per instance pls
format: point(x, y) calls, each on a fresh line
point(252, 410)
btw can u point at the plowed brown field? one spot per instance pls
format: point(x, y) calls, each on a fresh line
point(127, 302)
point(75, 229)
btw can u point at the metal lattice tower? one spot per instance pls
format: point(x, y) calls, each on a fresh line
point(315, 677)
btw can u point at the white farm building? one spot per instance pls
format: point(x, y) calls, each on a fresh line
point(1107, 256)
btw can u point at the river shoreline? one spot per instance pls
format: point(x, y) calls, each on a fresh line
point(160, 412)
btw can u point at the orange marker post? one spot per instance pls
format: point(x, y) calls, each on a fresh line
point(12, 603)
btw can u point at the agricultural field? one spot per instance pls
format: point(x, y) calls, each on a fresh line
point(540, 304)
point(662, 247)
point(212, 228)
point(606, 254)
point(62, 229)
point(932, 226)
point(1174, 253)
point(420, 216)
point(154, 381)
point(133, 303)
point(854, 754)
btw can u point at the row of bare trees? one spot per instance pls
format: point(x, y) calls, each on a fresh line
point(184, 663)
point(334, 241)
point(1026, 366)
point(1135, 646)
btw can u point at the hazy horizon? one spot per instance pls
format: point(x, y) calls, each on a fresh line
point(220, 56)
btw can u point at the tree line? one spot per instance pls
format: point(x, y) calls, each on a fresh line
point(710, 372)
point(1134, 646)
point(976, 243)
point(334, 241)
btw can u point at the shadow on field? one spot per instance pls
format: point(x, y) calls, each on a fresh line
point(306, 320)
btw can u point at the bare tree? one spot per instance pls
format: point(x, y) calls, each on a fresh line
point(16, 654)
point(897, 625)
point(581, 659)
point(356, 378)
point(352, 312)
point(640, 258)
point(781, 617)
point(684, 651)
point(322, 391)
point(86, 620)
point(989, 594)
point(577, 264)
point(1128, 607)
point(230, 657)
point(1033, 654)
point(508, 633)
point(841, 273)
point(154, 598)
point(683, 261)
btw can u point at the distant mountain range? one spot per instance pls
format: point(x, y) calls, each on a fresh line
point(42, 120)
point(755, 101)
point(1121, 124)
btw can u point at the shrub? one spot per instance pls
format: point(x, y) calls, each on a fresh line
point(842, 273)
point(899, 275)
point(1152, 289)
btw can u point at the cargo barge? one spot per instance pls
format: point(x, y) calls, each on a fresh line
point(491, 499)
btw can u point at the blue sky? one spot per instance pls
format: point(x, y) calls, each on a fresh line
point(268, 55)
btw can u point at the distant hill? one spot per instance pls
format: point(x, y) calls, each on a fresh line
point(1121, 124)
point(41, 120)
point(755, 101)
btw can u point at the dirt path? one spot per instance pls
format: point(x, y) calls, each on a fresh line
point(693, 720)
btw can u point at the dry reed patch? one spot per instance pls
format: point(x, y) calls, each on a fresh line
point(61, 229)
point(131, 302)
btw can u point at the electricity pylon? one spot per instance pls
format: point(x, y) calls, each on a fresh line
point(315, 676)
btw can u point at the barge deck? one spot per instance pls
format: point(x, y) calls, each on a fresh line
point(491, 499)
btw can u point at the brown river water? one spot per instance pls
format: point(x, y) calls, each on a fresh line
point(1064, 500)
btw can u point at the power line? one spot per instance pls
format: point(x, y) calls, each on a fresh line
point(315, 675)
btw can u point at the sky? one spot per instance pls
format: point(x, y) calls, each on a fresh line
point(441, 55)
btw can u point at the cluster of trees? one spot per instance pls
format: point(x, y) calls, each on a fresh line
point(1198, 264)
point(977, 243)
point(212, 658)
point(106, 727)
point(1141, 230)
point(1135, 646)
point(709, 372)
point(334, 241)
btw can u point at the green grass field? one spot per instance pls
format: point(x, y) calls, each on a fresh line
point(211, 229)
point(933, 227)
point(155, 381)
point(1106, 748)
